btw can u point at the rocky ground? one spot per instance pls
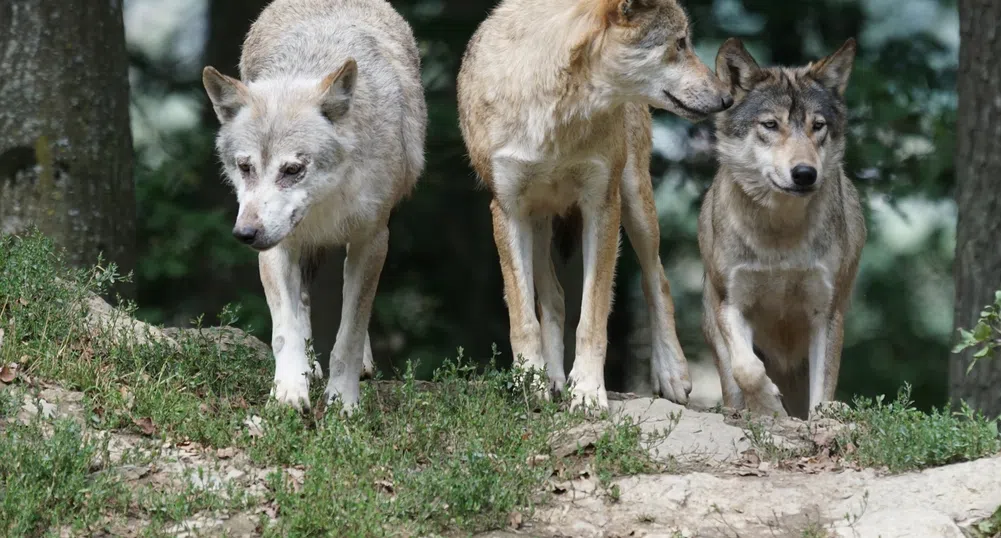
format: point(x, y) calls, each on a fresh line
point(722, 480)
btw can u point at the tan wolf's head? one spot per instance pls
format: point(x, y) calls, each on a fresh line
point(646, 53)
point(281, 144)
point(786, 130)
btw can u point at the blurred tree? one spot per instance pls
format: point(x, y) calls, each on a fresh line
point(65, 139)
point(978, 258)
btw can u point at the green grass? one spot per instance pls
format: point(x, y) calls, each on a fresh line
point(902, 438)
point(46, 482)
point(458, 455)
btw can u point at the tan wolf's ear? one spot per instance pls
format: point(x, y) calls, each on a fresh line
point(624, 11)
point(227, 94)
point(336, 90)
point(834, 70)
point(736, 67)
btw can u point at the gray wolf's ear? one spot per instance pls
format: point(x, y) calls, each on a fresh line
point(834, 70)
point(336, 90)
point(227, 94)
point(736, 67)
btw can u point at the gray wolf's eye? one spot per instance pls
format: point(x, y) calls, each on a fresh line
point(292, 169)
point(771, 125)
point(819, 124)
point(682, 43)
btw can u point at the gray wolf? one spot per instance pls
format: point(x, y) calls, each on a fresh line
point(780, 233)
point(321, 137)
point(554, 101)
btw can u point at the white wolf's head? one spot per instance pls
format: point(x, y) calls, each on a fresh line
point(282, 145)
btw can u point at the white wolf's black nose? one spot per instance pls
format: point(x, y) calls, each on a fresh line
point(246, 234)
point(804, 175)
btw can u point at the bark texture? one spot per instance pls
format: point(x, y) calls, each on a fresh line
point(65, 138)
point(978, 193)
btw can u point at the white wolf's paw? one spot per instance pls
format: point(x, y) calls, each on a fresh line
point(292, 390)
point(671, 379)
point(588, 393)
point(367, 367)
point(557, 386)
point(343, 390)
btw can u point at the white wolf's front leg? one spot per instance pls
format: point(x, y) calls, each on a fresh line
point(600, 249)
point(362, 268)
point(760, 393)
point(282, 280)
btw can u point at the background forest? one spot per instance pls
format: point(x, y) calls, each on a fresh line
point(441, 287)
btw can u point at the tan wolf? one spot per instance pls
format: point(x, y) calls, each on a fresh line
point(554, 101)
point(321, 139)
point(781, 233)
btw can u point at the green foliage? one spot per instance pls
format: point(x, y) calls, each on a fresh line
point(460, 453)
point(47, 482)
point(985, 337)
point(990, 527)
point(902, 438)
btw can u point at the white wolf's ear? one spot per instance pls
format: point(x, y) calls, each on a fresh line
point(337, 89)
point(833, 71)
point(227, 94)
point(736, 67)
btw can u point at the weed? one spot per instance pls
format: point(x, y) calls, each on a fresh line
point(902, 438)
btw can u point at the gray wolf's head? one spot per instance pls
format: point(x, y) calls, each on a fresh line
point(786, 129)
point(646, 53)
point(282, 146)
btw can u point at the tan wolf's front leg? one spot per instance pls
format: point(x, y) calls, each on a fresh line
point(600, 251)
point(668, 367)
point(362, 268)
point(550, 302)
point(513, 235)
point(282, 281)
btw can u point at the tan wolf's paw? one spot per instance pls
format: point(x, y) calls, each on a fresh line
point(293, 391)
point(767, 401)
point(671, 380)
point(588, 394)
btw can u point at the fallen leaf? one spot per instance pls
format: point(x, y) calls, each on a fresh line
point(23, 301)
point(8, 373)
point(1, 337)
point(386, 486)
point(240, 403)
point(515, 520)
point(145, 424)
point(225, 453)
point(255, 426)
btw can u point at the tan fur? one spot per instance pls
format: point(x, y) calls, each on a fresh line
point(780, 263)
point(554, 108)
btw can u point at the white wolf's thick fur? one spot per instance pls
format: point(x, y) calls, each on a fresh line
point(321, 139)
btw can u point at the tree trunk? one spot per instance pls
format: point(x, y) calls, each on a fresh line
point(65, 138)
point(978, 197)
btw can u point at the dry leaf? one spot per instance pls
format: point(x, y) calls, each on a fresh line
point(1, 337)
point(225, 453)
point(23, 301)
point(515, 520)
point(255, 426)
point(8, 373)
point(386, 486)
point(240, 403)
point(145, 424)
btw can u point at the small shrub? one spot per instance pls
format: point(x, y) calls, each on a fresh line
point(902, 438)
point(985, 336)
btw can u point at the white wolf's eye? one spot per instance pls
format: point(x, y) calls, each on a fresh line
point(682, 43)
point(292, 169)
point(244, 166)
point(771, 125)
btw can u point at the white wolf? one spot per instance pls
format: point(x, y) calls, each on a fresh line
point(321, 139)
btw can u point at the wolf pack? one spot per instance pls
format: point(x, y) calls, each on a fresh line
point(323, 135)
